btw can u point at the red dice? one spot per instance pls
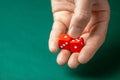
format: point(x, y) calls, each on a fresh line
point(63, 42)
point(76, 45)
point(68, 43)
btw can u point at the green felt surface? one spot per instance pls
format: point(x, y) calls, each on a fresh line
point(24, 31)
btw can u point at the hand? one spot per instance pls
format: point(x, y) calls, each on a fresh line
point(86, 18)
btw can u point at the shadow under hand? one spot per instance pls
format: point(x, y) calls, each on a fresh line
point(105, 63)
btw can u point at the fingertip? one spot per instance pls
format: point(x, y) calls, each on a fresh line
point(60, 62)
point(72, 66)
point(74, 31)
point(73, 61)
point(53, 47)
point(63, 57)
point(53, 50)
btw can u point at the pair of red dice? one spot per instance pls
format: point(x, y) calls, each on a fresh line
point(71, 44)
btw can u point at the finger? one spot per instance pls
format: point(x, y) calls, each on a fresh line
point(57, 29)
point(63, 57)
point(93, 43)
point(80, 17)
point(73, 60)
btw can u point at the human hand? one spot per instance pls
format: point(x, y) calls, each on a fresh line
point(86, 18)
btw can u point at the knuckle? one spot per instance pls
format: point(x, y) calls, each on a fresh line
point(82, 16)
point(81, 19)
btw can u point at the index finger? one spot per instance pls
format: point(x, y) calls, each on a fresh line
point(57, 29)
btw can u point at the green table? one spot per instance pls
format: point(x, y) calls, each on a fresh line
point(24, 31)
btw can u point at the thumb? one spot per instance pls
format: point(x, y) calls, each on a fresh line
point(80, 18)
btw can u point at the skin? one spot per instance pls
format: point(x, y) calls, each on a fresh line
point(86, 18)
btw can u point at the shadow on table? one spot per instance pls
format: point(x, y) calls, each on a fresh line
point(105, 63)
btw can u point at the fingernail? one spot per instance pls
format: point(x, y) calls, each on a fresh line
point(74, 32)
point(61, 60)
